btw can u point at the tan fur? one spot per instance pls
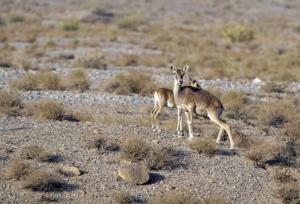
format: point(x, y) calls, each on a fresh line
point(194, 100)
point(163, 97)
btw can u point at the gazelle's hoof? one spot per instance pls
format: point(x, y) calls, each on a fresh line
point(218, 142)
point(158, 130)
point(180, 133)
point(191, 138)
point(197, 134)
point(231, 148)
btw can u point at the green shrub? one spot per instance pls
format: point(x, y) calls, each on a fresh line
point(237, 33)
point(70, 25)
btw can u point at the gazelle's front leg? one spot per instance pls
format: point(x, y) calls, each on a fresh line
point(179, 122)
point(189, 120)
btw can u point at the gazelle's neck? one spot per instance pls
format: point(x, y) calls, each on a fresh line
point(176, 89)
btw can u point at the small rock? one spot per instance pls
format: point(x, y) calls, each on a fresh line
point(134, 173)
point(257, 81)
point(69, 171)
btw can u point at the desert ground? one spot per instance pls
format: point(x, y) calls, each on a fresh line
point(76, 92)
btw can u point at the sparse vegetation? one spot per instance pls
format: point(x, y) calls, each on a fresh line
point(78, 80)
point(17, 169)
point(130, 22)
point(262, 151)
point(242, 140)
point(282, 176)
point(288, 193)
point(271, 87)
point(43, 80)
point(234, 103)
point(156, 158)
point(95, 60)
point(10, 103)
point(43, 181)
point(203, 146)
point(70, 25)
point(131, 82)
point(135, 148)
point(48, 110)
point(35, 152)
point(275, 114)
point(237, 33)
point(175, 197)
point(103, 144)
point(122, 197)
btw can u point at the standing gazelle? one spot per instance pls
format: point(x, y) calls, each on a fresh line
point(189, 100)
point(164, 97)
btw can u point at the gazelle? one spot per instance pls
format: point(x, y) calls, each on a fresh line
point(189, 100)
point(164, 97)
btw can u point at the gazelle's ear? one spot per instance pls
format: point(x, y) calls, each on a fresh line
point(172, 68)
point(185, 68)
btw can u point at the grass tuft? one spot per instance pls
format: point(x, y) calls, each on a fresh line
point(70, 25)
point(48, 110)
point(237, 33)
point(17, 169)
point(203, 146)
point(129, 83)
point(78, 80)
point(10, 103)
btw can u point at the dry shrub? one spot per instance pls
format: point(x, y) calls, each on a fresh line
point(282, 176)
point(203, 146)
point(22, 61)
point(17, 169)
point(50, 110)
point(262, 151)
point(275, 114)
point(103, 145)
point(10, 103)
point(36, 152)
point(292, 130)
point(95, 60)
point(141, 60)
point(135, 148)
point(237, 33)
point(78, 80)
point(16, 17)
point(156, 158)
point(162, 158)
point(242, 140)
point(234, 103)
point(43, 181)
point(84, 117)
point(70, 25)
point(122, 197)
point(131, 82)
point(130, 22)
point(288, 193)
point(175, 197)
point(273, 88)
point(121, 119)
point(44, 80)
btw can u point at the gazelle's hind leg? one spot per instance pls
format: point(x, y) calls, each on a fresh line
point(179, 123)
point(152, 116)
point(157, 111)
point(214, 116)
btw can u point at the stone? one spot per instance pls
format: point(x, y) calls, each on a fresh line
point(134, 173)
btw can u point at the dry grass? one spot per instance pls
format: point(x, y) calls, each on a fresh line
point(282, 176)
point(242, 140)
point(122, 197)
point(129, 83)
point(45, 182)
point(234, 103)
point(84, 117)
point(69, 25)
point(203, 146)
point(292, 130)
point(36, 152)
point(288, 193)
point(175, 197)
point(123, 119)
point(94, 60)
point(271, 87)
point(237, 33)
point(276, 114)
point(46, 109)
point(156, 158)
point(17, 169)
point(132, 23)
point(44, 80)
point(78, 80)
point(135, 148)
point(262, 151)
point(10, 103)
point(103, 144)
